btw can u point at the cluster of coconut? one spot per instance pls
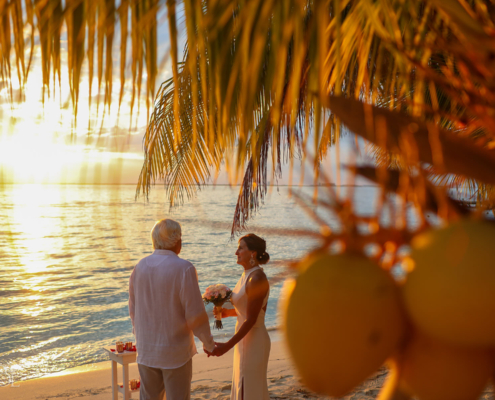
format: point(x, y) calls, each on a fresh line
point(345, 316)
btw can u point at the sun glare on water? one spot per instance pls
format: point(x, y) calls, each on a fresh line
point(32, 219)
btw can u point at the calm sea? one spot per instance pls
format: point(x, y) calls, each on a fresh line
point(67, 253)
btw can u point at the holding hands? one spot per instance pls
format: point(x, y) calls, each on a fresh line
point(219, 350)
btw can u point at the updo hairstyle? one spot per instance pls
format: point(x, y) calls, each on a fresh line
point(257, 244)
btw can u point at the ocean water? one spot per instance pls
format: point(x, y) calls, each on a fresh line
point(67, 252)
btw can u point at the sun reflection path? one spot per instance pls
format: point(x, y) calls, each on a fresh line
point(34, 222)
point(37, 224)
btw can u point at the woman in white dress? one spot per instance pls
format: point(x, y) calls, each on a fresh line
point(251, 341)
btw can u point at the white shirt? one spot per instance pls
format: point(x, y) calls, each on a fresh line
point(166, 310)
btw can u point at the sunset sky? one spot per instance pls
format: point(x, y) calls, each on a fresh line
point(40, 143)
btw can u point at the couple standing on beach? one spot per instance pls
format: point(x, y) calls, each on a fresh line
point(167, 311)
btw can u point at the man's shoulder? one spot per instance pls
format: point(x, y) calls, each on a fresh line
point(175, 261)
point(186, 264)
point(143, 260)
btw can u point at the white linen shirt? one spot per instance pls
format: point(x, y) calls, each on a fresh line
point(166, 310)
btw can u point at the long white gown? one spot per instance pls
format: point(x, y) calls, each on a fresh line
point(252, 352)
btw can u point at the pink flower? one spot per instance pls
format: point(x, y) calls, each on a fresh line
point(216, 294)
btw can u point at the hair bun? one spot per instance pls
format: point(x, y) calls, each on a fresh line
point(264, 258)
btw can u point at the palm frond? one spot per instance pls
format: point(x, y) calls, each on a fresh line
point(85, 25)
point(432, 60)
point(183, 164)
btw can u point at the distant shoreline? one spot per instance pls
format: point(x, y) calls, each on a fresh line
point(159, 184)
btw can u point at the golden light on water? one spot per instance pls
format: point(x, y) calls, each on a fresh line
point(36, 310)
point(32, 221)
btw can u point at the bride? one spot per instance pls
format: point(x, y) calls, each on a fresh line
point(251, 340)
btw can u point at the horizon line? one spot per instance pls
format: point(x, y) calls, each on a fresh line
point(202, 185)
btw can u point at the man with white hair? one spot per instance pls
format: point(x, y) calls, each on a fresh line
point(166, 310)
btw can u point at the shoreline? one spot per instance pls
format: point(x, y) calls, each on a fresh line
point(211, 380)
point(274, 333)
point(211, 377)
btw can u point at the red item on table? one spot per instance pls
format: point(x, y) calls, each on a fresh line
point(112, 350)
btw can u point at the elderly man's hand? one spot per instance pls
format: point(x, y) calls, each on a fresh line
point(220, 349)
point(207, 352)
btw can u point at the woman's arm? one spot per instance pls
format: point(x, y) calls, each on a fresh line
point(256, 290)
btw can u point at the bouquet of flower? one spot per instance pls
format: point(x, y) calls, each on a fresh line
point(218, 295)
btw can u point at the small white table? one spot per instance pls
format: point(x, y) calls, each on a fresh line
point(124, 359)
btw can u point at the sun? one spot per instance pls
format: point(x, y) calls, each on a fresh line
point(39, 144)
point(42, 142)
point(32, 156)
point(33, 136)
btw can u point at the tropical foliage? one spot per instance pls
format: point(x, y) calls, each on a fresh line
point(87, 30)
point(265, 80)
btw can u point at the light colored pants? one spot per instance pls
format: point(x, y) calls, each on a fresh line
point(156, 382)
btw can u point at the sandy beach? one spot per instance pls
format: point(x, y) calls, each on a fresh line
point(211, 380)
